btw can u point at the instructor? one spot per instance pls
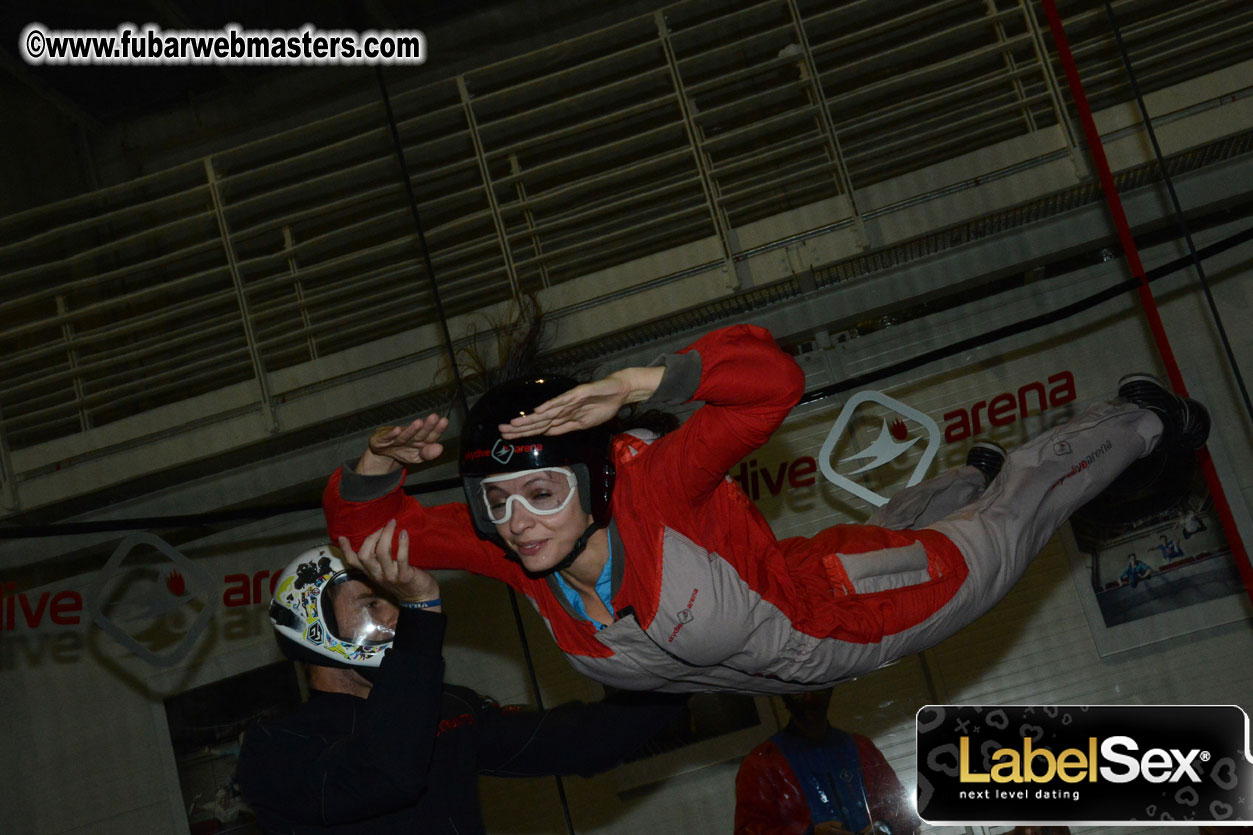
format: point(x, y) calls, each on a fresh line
point(383, 745)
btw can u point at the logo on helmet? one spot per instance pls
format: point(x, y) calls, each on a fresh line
point(502, 451)
point(309, 572)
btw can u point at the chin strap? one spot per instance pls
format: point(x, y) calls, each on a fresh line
point(569, 558)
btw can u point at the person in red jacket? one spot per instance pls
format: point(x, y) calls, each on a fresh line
point(654, 571)
point(813, 778)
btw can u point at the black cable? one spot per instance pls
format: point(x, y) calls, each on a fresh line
point(1178, 209)
point(237, 514)
point(1210, 251)
point(461, 396)
point(973, 342)
point(1023, 325)
point(417, 222)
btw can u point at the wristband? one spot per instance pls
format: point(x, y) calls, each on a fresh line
point(419, 604)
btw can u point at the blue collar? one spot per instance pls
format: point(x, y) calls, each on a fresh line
point(604, 589)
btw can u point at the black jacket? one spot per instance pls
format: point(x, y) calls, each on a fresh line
point(407, 759)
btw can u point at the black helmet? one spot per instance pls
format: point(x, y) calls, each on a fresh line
point(485, 453)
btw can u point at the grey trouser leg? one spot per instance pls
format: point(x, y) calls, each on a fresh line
point(999, 533)
point(1041, 484)
point(929, 501)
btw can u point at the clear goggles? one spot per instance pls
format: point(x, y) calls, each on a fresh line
point(542, 492)
point(359, 613)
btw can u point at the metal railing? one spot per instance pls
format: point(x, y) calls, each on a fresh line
point(665, 130)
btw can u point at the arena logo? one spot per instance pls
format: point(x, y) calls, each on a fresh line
point(124, 602)
point(1009, 407)
point(1063, 448)
point(157, 606)
point(63, 608)
point(892, 442)
point(151, 600)
point(502, 451)
point(248, 590)
point(794, 474)
point(773, 478)
point(19, 611)
point(684, 616)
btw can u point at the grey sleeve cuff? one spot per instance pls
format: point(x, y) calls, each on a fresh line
point(354, 487)
point(680, 380)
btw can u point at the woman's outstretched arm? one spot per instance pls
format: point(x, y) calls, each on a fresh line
point(747, 383)
point(364, 495)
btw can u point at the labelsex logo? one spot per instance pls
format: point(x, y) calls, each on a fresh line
point(1156, 765)
point(1121, 765)
point(886, 448)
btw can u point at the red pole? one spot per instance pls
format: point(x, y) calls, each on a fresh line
point(1097, 151)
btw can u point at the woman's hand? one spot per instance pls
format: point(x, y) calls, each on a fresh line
point(586, 405)
point(393, 446)
point(393, 575)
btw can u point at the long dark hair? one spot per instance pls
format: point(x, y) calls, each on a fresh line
point(505, 348)
point(518, 345)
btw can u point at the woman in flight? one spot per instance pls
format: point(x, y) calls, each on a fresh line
point(653, 570)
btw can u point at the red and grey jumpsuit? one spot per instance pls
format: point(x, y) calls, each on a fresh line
point(706, 598)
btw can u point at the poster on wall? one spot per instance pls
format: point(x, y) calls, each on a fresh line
point(1156, 566)
point(207, 726)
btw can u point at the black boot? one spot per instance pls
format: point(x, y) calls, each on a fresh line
point(1186, 421)
point(987, 457)
point(1159, 480)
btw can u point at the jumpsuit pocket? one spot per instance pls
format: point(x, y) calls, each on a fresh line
point(885, 592)
point(886, 569)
